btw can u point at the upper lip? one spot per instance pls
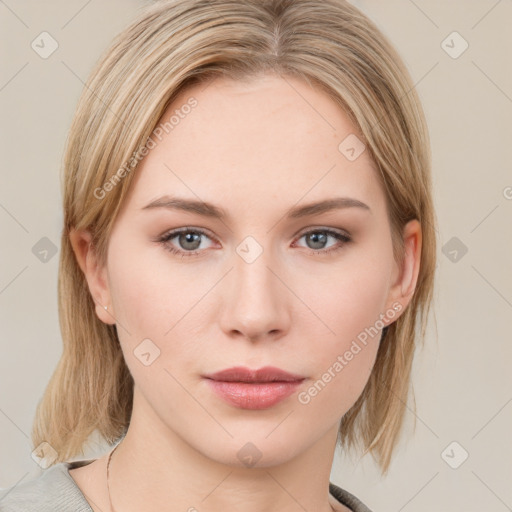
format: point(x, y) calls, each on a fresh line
point(265, 374)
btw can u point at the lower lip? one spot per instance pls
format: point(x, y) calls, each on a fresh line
point(254, 396)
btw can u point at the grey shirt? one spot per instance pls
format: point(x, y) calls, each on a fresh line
point(54, 490)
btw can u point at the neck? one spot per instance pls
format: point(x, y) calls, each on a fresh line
point(154, 467)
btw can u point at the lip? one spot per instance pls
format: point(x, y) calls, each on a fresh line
point(244, 374)
point(254, 389)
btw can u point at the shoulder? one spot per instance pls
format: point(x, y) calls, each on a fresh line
point(52, 490)
point(347, 499)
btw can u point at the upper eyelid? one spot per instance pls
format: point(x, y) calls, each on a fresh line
point(323, 228)
point(206, 232)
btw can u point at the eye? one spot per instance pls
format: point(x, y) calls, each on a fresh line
point(318, 238)
point(189, 241)
point(188, 238)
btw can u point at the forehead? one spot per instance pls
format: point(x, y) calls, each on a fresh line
point(251, 141)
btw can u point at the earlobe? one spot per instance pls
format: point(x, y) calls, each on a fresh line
point(81, 241)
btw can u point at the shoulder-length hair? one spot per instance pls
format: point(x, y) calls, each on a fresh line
point(173, 44)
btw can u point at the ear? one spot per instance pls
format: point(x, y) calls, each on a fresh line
point(96, 276)
point(406, 276)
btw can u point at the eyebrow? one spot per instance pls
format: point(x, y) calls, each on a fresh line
point(215, 212)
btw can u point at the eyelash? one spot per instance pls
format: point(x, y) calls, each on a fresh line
point(164, 240)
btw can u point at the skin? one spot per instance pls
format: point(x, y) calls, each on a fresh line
point(254, 149)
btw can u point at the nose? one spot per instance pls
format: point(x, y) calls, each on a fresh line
point(256, 303)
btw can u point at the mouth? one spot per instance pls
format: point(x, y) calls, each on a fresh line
point(254, 389)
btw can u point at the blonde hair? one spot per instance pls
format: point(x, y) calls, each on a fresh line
point(176, 43)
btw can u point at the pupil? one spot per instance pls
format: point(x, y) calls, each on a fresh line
point(189, 238)
point(315, 238)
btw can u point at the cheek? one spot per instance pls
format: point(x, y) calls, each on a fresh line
point(136, 297)
point(147, 306)
point(350, 302)
point(146, 292)
point(349, 297)
point(153, 301)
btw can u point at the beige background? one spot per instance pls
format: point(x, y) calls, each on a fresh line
point(462, 378)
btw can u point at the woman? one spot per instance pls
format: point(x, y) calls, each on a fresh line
point(249, 237)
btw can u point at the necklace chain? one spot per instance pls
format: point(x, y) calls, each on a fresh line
point(108, 487)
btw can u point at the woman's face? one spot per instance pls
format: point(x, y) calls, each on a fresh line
point(259, 286)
